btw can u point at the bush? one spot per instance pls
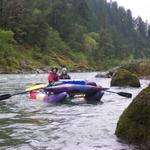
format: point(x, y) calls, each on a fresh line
point(6, 37)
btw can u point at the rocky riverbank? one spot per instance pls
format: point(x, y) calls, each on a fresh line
point(141, 68)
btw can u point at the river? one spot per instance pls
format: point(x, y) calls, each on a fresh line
point(35, 125)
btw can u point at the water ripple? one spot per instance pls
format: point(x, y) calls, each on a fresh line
point(35, 125)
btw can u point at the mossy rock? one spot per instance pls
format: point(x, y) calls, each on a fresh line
point(123, 77)
point(132, 67)
point(134, 124)
point(139, 67)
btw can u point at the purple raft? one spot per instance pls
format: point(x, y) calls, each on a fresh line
point(58, 94)
point(75, 89)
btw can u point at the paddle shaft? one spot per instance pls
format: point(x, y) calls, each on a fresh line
point(6, 96)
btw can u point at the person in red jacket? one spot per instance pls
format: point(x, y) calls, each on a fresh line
point(53, 76)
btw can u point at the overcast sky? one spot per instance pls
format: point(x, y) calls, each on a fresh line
point(138, 7)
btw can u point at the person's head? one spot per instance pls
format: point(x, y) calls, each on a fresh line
point(54, 69)
point(64, 70)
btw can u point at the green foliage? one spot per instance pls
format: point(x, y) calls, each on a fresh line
point(75, 37)
point(54, 41)
point(103, 32)
point(6, 37)
point(6, 44)
point(89, 44)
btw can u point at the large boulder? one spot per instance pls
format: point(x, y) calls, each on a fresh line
point(123, 77)
point(134, 124)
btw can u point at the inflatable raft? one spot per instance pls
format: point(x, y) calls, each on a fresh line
point(58, 94)
point(54, 98)
point(75, 89)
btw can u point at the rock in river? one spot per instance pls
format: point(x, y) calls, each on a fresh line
point(134, 124)
point(123, 77)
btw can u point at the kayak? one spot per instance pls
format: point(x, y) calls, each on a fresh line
point(75, 89)
point(59, 94)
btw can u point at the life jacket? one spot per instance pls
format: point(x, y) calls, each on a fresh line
point(64, 76)
point(53, 77)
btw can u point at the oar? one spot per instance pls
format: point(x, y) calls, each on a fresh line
point(44, 84)
point(33, 84)
point(36, 87)
point(124, 94)
point(6, 96)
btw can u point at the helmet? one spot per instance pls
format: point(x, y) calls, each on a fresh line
point(54, 68)
point(64, 69)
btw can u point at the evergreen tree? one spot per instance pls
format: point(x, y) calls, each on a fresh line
point(58, 25)
point(105, 44)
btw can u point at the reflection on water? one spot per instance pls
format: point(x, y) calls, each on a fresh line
point(30, 125)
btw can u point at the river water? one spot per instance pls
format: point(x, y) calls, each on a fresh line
point(35, 125)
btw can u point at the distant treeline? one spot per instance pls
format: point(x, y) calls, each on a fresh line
point(95, 29)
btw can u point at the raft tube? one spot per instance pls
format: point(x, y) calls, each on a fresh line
point(79, 82)
point(64, 97)
point(59, 93)
point(54, 98)
point(94, 98)
point(75, 89)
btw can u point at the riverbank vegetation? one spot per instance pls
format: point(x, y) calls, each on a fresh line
point(84, 35)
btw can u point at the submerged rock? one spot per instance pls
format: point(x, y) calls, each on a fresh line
point(134, 124)
point(123, 77)
point(103, 75)
point(107, 74)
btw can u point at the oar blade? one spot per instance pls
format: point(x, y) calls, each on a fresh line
point(5, 96)
point(124, 94)
point(36, 87)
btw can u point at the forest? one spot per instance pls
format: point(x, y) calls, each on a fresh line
point(84, 35)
